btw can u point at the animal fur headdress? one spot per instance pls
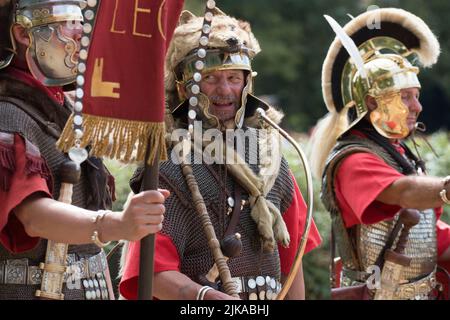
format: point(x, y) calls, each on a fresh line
point(187, 35)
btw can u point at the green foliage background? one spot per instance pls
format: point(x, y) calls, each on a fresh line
point(295, 37)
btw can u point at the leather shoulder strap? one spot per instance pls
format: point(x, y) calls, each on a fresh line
point(47, 126)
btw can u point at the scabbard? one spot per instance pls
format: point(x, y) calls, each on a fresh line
point(391, 277)
point(55, 264)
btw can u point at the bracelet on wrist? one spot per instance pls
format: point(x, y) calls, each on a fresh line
point(95, 238)
point(202, 292)
point(443, 195)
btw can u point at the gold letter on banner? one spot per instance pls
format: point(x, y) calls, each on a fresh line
point(100, 88)
point(161, 31)
point(138, 10)
point(113, 30)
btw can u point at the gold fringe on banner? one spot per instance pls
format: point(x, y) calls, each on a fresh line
point(124, 140)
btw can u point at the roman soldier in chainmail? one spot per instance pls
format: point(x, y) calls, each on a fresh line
point(255, 207)
point(385, 211)
point(39, 44)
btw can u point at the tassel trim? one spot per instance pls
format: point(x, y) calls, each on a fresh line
point(119, 139)
point(7, 165)
point(37, 165)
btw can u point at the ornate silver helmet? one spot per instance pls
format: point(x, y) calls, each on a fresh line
point(51, 25)
point(231, 45)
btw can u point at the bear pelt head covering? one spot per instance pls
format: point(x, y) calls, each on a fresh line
point(187, 34)
point(227, 34)
point(231, 46)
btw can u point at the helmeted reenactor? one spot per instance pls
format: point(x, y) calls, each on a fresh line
point(385, 211)
point(50, 249)
point(255, 207)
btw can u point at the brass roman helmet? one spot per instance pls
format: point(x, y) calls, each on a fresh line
point(389, 55)
point(377, 53)
point(51, 25)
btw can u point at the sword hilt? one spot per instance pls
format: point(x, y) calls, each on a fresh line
point(396, 260)
point(55, 264)
point(408, 218)
point(70, 172)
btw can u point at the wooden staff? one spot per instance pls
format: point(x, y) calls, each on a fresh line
point(213, 243)
point(147, 250)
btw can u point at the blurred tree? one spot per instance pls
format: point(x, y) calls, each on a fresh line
point(295, 38)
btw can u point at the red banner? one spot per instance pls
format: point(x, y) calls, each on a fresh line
point(124, 77)
point(123, 102)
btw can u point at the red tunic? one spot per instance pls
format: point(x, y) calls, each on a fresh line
point(167, 258)
point(359, 180)
point(12, 234)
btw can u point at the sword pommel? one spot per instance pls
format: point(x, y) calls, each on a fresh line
point(409, 218)
point(70, 172)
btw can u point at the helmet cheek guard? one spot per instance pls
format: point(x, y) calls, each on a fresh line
point(218, 59)
point(376, 62)
point(51, 25)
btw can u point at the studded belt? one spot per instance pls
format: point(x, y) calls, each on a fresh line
point(17, 271)
point(259, 287)
point(417, 290)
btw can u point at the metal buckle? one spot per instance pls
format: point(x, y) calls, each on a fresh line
point(2, 272)
point(418, 289)
point(239, 285)
point(16, 271)
point(34, 275)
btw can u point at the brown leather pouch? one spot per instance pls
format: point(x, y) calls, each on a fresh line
point(359, 292)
